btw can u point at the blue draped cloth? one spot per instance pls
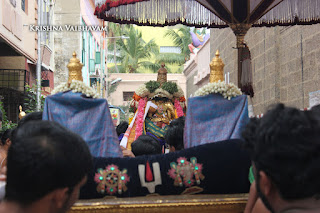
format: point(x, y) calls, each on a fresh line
point(212, 118)
point(87, 117)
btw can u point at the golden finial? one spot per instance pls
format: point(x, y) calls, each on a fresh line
point(162, 74)
point(216, 69)
point(22, 113)
point(75, 68)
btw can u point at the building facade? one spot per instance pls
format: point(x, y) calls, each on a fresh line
point(88, 44)
point(18, 53)
point(285, 65)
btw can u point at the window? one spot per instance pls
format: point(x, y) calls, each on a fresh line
point(170, 49)
point(24, 6)
point(127, 96)
point(45, 36)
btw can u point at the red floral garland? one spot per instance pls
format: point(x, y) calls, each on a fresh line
point(142, 105)
point(178, 108)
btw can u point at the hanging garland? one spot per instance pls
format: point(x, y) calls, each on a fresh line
point(152, 86)
point(226, 90)
point(76, 86)
point(170, 87)
point(153, 89)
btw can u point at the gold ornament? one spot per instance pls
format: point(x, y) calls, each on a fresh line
point(75, 68)
point(22, 113)
point(162, 74)
point(216, 69)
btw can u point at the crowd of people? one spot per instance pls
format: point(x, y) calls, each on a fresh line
point(44, 165)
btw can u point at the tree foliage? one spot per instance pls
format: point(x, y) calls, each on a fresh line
point(132, 54)
point(182, 39)
point(6, 124)
point(30, 100)
point(135, 52)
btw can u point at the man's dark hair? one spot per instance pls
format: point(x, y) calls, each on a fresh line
point(122, 127)
point(285, 144)
point(316, 109)
point(33, 116)
point(174, 133)
point(146, 145)
point(44, 156)
point(5, 135)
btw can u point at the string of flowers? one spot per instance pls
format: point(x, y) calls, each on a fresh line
point(139, 124)
point(226, 90)
point(178, 108)
point(142, 91)
point(179, 94)
point(161, 93)
point(152, 89)
point(76, 86)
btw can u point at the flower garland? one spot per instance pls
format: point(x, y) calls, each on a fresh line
point(142, 104)
point(142, 91)
point(76, 86)
point(161, 93)
point(179, 94)
point(226, 90)
point(131, 115)
point(178, 108)
point(152, 89)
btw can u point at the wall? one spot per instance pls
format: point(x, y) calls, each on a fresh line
point(65, 42)
point(284, 63)
point(131, 81)
point(88, 19)
point(191, 72)
point(197, 69)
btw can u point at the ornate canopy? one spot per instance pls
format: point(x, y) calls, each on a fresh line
point(239, 15)
point(209, 13)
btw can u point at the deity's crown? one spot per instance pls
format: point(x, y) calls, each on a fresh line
point(75, 67)
point(216, 69)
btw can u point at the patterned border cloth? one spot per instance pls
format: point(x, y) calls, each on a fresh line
point(212, 118)
point(87, 117)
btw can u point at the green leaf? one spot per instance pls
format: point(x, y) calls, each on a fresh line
point(152, 85)
point(170, 87)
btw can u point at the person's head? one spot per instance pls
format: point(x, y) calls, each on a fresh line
point(5, 138)
point(33, 116)
point(174, 134)
point(285, 150)
point(122, 127)
point(47, 164)
point(146, 145)
point(316, 109)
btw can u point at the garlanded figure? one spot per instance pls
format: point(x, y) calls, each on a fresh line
point(155, 104)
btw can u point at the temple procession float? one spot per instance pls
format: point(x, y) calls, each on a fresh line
point(212, 163)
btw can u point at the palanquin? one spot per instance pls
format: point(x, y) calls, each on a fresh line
point(222, 168)
point(234, 203)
